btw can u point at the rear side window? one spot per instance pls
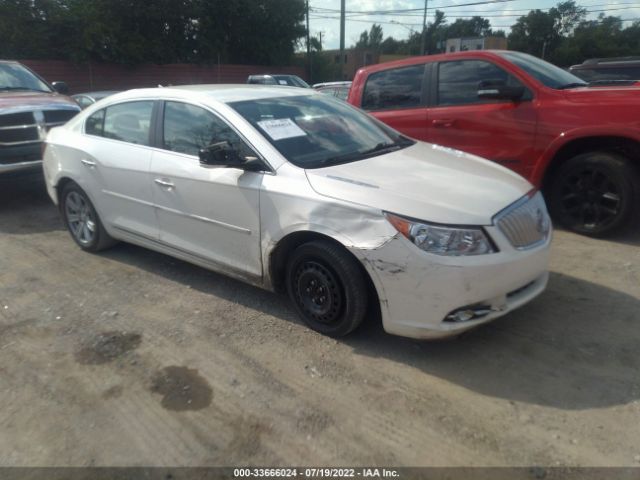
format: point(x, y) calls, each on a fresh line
point(459, 81)
point(394, 89)
point(95, 124)
point(128, 122)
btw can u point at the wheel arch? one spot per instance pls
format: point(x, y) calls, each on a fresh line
point(278, 257)
point(622, 145)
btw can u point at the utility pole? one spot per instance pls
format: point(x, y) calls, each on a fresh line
point(320, 35)
point(423, 46)
point(342, 17)
point(310, 72)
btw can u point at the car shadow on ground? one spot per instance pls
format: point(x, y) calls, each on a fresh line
point(573, 348)
point(25, 206)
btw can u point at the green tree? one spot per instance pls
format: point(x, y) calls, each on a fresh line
point(371, 39)
point(541, 33)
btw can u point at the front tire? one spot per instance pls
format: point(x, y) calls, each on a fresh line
point(594, 193)
point(82, 220)
point(327, 287)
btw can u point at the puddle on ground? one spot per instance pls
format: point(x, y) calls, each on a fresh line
point(183, 389)
point(107, 346)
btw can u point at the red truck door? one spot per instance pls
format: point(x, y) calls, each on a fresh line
point(501, 130)
point(397, 97)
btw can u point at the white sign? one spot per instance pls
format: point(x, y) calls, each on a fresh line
point(281, 128)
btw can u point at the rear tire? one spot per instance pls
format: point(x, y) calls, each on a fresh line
point(327, 287)
point(82, 220)
point(594, 193)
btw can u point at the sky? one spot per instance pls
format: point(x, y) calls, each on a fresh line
point(502, 14)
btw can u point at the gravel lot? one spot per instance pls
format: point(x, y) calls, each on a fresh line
point(133, 358)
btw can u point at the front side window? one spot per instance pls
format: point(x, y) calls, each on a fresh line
point(313, 131)
point(188, 129)
point(394, 89)
point(128, 122)
point(459, 81)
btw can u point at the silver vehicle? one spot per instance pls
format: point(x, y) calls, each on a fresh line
point(89, 98)
point(298, 192)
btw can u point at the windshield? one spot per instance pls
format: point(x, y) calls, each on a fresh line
point(313, 131)
point(14, 76)
point(546, 73)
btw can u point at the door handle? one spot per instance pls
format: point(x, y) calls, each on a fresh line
point(443, 122)
point(164, 183)
point(88, 163)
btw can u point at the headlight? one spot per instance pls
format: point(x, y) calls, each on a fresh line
point(441, 240)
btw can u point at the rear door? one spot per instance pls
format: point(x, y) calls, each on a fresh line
point(499, 130)
point(116, 159)
point(398, 98)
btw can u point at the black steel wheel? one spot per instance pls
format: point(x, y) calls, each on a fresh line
point(327, 287)
point(594, 193)
point(82, 220)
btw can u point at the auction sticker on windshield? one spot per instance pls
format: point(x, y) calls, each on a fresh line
point(281, 128)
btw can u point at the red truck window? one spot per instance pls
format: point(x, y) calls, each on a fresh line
point(459, 81)
point(396, 88)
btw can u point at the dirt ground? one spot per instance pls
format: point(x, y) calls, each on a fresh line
point(130, 357)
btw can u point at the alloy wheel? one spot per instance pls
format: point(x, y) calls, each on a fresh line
point(80, 218)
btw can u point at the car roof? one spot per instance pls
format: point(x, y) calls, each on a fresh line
point(224, 93)
point(406, 62)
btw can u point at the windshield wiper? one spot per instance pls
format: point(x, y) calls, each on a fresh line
point(379, 149)
point(572, 85)
point(23, 88)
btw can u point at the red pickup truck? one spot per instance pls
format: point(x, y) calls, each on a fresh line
point(580, 145)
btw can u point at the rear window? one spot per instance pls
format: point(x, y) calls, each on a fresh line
point(394, 89)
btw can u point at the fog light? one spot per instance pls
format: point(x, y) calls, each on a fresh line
point(468, 313)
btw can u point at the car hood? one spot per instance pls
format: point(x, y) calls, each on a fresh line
point(426, 182)
point(20, 101)
point(624, 95)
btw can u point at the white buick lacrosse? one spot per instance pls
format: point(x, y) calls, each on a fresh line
point(297, 192)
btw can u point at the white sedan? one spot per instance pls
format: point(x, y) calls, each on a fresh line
point(297, 192)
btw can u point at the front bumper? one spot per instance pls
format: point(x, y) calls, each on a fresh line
point(417, 290)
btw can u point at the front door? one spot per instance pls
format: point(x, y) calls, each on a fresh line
point(211, 213)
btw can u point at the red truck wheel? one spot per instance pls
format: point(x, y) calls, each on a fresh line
point(594, 193)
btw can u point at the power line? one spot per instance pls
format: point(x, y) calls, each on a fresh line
point(475, 14)
point(378, 12)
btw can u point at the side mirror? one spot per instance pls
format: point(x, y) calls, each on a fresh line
point(61, 87)
point(499, 91)
point(222, 154)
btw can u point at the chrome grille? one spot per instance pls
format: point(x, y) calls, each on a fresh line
point(526, 223)
point(18, 129)
point(23, 128)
